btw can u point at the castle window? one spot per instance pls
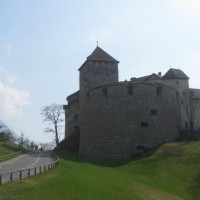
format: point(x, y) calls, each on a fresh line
point(154, 111)
point(159, 91)
point(177, 97)
point(186, 124)
point(181, 101)
point(105, 91)
point(177, 82)
point(87, 96)
point(191, 93)
point(144, 124)
point(141, 148)
point(75, 120)
point(130, 89)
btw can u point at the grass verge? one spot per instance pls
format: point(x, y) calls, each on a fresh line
point(170, 172)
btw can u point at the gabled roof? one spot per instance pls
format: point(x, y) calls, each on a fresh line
point(175, 74)
point(100, 55)
point(149, 77)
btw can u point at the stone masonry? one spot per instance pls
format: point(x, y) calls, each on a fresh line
point(117, 120)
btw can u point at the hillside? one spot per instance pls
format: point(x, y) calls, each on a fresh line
point(8, 148)
point(171, 171)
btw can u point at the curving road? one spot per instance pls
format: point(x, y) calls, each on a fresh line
point(25, 161)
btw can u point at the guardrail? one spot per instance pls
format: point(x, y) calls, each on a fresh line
point(26, 173)
point(5, 157)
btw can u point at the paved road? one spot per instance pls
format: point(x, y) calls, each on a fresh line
point(25, 161)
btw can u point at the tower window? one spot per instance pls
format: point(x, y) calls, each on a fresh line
point(87, 96)
point(105, 91)
point(141, 148)
point(186, 124)
point(191, 93)
point(154, 111)
point(177, 97)
point(159, 91)
point(130, 89)
point(144, 124)
point(182, 101)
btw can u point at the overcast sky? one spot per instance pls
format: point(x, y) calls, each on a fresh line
point(44, 42)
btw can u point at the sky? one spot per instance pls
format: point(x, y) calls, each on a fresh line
point(44, 42)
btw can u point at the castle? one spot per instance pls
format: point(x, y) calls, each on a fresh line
point(109, 119)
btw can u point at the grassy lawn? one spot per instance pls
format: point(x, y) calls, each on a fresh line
point(170, 172)
point(7, 148)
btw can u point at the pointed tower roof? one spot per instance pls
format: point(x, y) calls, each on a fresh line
point(100, 55)
point(175, 74)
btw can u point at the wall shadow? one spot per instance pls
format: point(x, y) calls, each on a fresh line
point(195, 189)
point(66, 155)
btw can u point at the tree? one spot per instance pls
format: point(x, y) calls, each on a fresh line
point(27, 142)
point(32, 144)
point(21, 140)
point(190, 105)
point(47, 146)
point(53, 115)
point(6, 134)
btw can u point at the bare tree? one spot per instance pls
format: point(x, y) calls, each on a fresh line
point(6, 134)
point(190, 105)
point(32, 144)
point(53, 115)
point(21, 140)
point(47, 145)
point(27, 142)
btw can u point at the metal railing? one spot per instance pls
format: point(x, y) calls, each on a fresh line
point(26, 173)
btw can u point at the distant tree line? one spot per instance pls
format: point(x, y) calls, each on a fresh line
point(6, 135)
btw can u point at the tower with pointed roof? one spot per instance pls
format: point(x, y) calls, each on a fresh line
point(100, 68)
point(115, 120)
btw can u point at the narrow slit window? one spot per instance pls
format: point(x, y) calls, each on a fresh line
point(88, 96)
point(130, 89)
point(144, 124)
point(159, 91)
point(105, 92)
point(154, 112)
point(186, 124)
point(141, 148)
point(177, 97)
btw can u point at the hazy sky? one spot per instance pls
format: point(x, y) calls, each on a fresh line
point(44, 42)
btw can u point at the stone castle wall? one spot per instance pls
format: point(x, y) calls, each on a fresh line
point(72, 115)
point(119, 120)
point(94, 73)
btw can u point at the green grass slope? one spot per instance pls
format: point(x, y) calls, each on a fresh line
point(170, 172)
point(7, 148)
